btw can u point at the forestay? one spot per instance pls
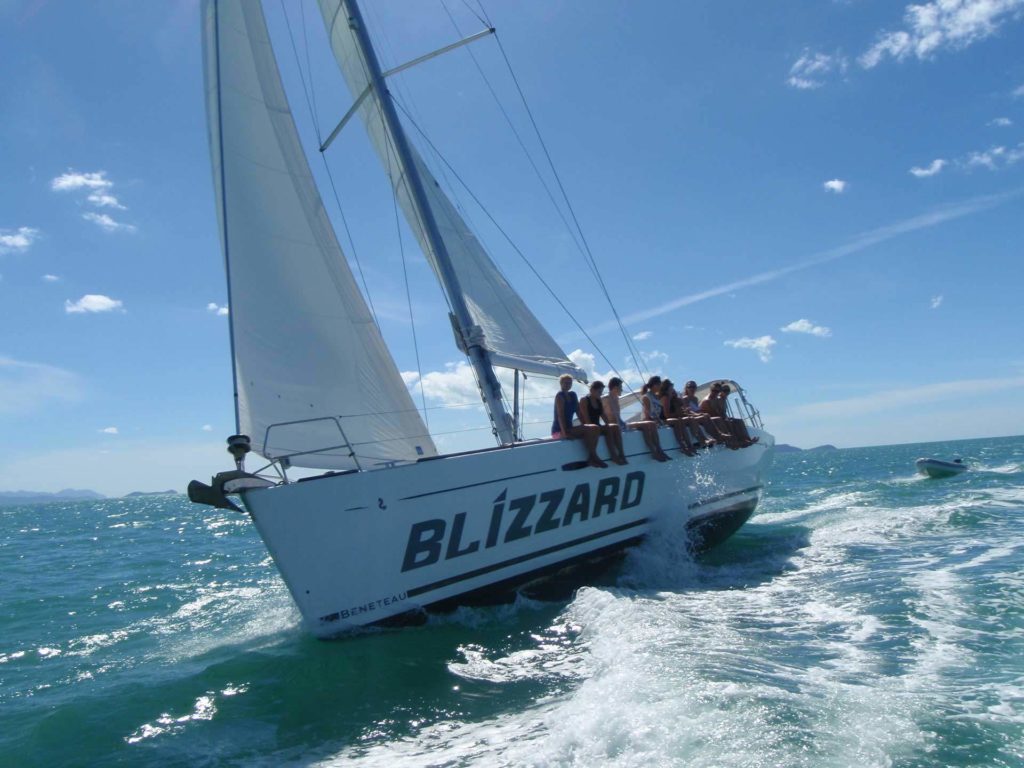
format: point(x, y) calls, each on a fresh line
point(312, 369)
point(511, 333)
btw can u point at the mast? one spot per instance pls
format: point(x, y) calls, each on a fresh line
point(470, 334)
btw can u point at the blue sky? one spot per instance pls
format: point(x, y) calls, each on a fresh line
point(821, 200)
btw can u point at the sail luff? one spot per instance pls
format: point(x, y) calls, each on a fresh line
point(500, 321)
point(315, 380)
point(424, 215)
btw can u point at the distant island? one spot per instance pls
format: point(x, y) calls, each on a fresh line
point(784, 448)
point(14, 498)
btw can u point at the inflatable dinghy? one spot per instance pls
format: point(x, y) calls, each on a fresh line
point(939, 468)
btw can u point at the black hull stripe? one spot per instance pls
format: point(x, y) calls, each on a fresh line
point(476, 485)
point(523, 558)
point(724, 496)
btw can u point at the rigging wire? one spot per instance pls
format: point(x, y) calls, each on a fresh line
point(589, 254)
point(311, 105)
point(508, 239)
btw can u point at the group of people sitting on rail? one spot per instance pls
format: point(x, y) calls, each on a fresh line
point(695, 424)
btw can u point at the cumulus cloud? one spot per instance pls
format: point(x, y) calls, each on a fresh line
point(106, 223)
point(643, 335)
point(1001, 122)
point(93, 302)
point(71, 181)
point(811, 69)
point(51, 278)
point(216, 309)
point(105, 200)
point(936, 301)
point(835, 185)
point(109, 430)
point(936, 165)
point(995, 158)
point(806, 326)
point(941, 24)
point(17, 240)
point(207, 428)
point(26, 386)
point(762, 345)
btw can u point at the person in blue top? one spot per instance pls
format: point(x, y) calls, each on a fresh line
point(567, 406)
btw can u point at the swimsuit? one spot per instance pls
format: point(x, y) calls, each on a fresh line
point(570, 407)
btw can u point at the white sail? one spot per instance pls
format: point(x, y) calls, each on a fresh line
point(510, 331)
point(312, 371)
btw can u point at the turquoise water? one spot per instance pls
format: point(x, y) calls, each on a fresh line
point(864, 617)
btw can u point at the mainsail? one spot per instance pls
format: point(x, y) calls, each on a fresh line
point(312, 370)
point(511, 334)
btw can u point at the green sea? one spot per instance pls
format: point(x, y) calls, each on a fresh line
point(866, 616)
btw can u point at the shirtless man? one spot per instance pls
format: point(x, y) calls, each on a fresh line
point(648, 428)
point(592, 412)
point(703, 420)
point(714, 406)
point(567, 405)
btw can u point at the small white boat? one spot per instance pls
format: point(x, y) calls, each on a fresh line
point(940, 468)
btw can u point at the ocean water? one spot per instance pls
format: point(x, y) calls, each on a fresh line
point(864, 617)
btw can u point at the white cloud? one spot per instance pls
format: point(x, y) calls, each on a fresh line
point(643, 335)
point(811, 69)
point(806, 326)
point(19, 239)
point(860, 243)
point(835, 185)
point(1018, 92)
point(936, 165)
point(25, 386)
point(109, 430)
point(72, 181)
point(940, 24)
point(105, 200)
point(207, 428)
point(896, 399)
point(51, 278)
point(762, 345)
point(1001, 122)
point(410, 377)
point(214, 308)
point(995, 158)
point(937, 301)
point(93, 302)
point(106, 223)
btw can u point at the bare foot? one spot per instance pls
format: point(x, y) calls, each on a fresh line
point(621, 461)
point(597, 463)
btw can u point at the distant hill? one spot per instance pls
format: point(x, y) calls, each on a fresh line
point(784, 448)
point(150, 493)
point(11, 498)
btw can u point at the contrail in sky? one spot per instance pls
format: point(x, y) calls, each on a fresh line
point(866, 240)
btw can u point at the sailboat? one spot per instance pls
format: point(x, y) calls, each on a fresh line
point(390, 528)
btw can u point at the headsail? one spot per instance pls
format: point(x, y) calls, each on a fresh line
point(312, 370)
point(511, 333)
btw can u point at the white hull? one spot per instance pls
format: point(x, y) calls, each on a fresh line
point(366, 547)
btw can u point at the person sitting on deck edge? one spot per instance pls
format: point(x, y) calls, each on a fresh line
point(592, 412)
point(567, 406)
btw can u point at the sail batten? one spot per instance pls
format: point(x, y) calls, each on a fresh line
point(314, 379)
point(508, 329)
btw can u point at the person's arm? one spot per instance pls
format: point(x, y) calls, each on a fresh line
point(645, 401)
point(560, 410)
point(666, 407)
point(584, 411)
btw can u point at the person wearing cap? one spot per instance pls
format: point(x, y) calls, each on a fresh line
point(567, 405)
point(647, 428)
point(592, 413)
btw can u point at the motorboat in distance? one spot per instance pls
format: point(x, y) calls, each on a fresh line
point(940, 468)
